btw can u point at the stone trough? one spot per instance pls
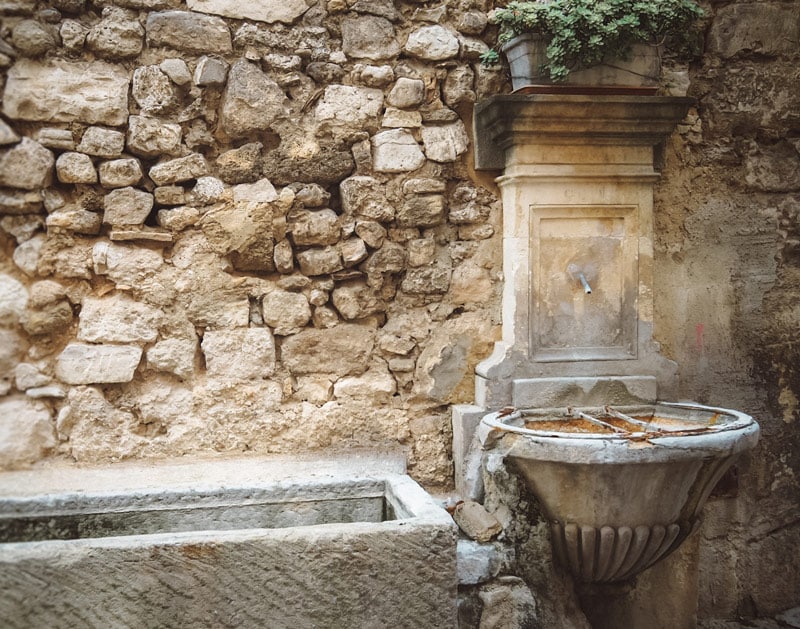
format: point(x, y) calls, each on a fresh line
point(249, 543)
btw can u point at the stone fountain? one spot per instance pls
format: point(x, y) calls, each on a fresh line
point(569, 397)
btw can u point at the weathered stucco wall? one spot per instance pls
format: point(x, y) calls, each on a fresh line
point(727, 300)
point(253, 226)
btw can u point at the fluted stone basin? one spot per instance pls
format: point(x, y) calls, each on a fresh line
point(618, 502)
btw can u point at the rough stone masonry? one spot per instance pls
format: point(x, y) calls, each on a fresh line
point(238, 227)
point(232, 226)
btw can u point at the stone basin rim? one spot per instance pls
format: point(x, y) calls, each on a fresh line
point(737, 432)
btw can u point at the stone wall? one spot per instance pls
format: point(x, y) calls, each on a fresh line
point(245, 226)
point(241, 226)
point(727, 284)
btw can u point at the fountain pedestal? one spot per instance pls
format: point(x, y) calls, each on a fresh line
point(577, 191)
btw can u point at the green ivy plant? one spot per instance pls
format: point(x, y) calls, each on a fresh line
point(581, 33)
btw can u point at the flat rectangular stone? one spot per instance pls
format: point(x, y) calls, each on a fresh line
point(97, 364)
point(65, 91)
point(286, 11)
point(186, 30)
point(151, 235)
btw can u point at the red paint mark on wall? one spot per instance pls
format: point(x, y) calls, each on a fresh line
point(698, 335)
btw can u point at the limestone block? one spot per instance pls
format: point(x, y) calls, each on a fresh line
point(177, 70)
point(371, 232)
point(11, 348)
point(396, 151)
point(376, 384)
point(262, 191)
point(49, 391)
point(319, 261)
point(351, 107)
point(28, 376)
point(374, 76)
point(127, 206)
point(170, 195)
point(323, 72)
point(7, 134)
point(207, 190)
point(285, 312)
point(102, 142)
point(73, 35)
point(240, 165)
point(76, 220)
point(421, 251)
point(179, 169)
point(150, 137)
point(210, 72)
point(312, 195)
point(244, 353)
point(119, 173)
point(344, 349)
point(308, 163)
point(251, 102)
point(53, 138)
point(421, 211)
point(446, 142)
point(394, 118)
point(475, 521)
point(118, 35)
point(242, 227)
point(369, 37)
point(125, 264)
point(423, 185)
point(390, 258)
point(356, 300)
point(75, 168)
point(457, 87)
point(432, 43)
point(353, 251)
point(13, 299)
point(178, 218)
point(32, 38)
point(283, 63)
point(57, 90)
point(26, 165)
point(325, 317)
point(185, 30)
point(472, 22)
point(26, 431)
point(118, 319)
point(173, 355)
point(406, 93)
point(365, 197)
point(153, 90)
point(314, 227)
point(286, 11)
point(97, 364)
